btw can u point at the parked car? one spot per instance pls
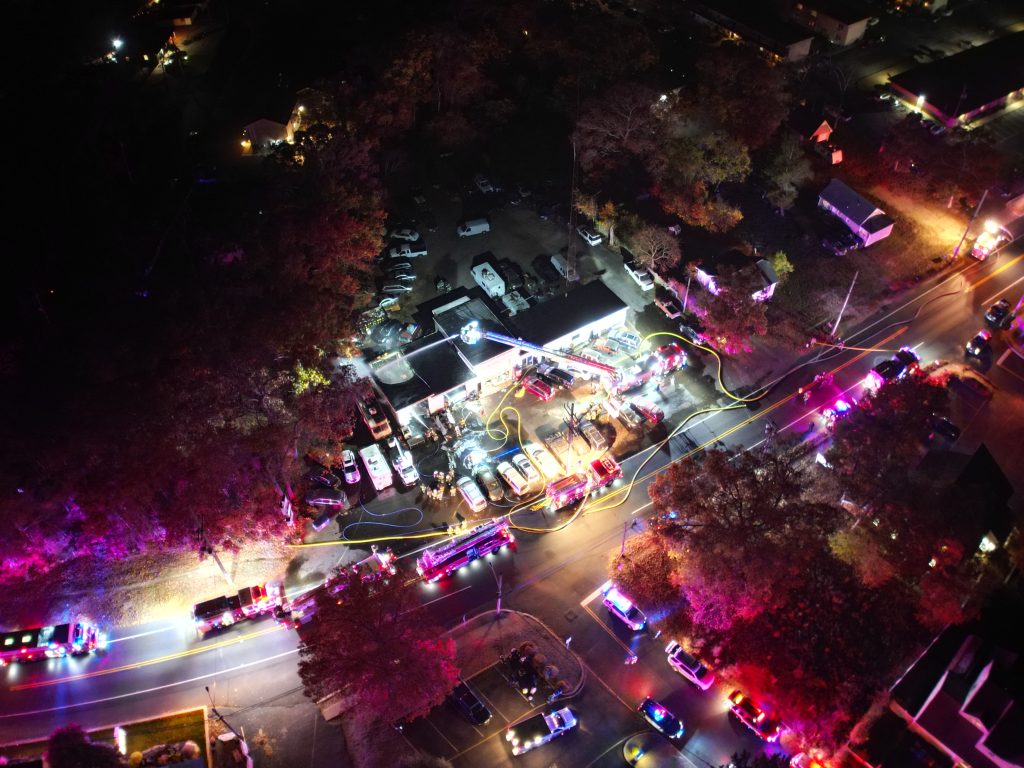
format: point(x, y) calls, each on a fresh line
point(562, 378)
point(980, 344)
point(395, 288)
point(408, 251)
point(669, 307)
point(648, 411)
point(349, 467)
point(490, 483)
point(327, 497)
point(483, 184)
point(593, 435)
point(515, 481)
point(752, 716)
point(588, 235)
point(624, 340)
point(999, 315)
point(658, 716)
point(944, 428)
point(689, 666)
point(471, 494)
point(527, 470)
point(545, 271)
point(622, 607)
point(640, 276)
point(324, 477)
point(543, 459)
point(469, 704)
point(407, 234)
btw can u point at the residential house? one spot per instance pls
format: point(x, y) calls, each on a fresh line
point(842, 23)
point(261, 135)
point(756, 25)
point(760, 273)
point(963, 695)
point(866, 220)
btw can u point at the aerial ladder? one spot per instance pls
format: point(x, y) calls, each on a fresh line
point(472, 333)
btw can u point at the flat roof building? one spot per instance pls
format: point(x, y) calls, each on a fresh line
point(842, 23)
point(966, 86)
point(756, 25)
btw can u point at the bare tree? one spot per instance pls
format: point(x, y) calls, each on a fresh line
point(655, 248)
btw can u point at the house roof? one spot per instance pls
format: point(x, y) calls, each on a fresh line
point(758, 20)
point(850, 203)
point(426, 366)
point(847, 13)
point(890, 744)
point(913, 689)
point(965, 81)
point(978, 473)
point(806, 121)
point(561, 316)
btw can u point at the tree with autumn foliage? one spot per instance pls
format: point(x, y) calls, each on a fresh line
point(739, 524)
point(732, 316)
point(648, 570)
point(876, 444)
point(372, 642)
point(71, 747)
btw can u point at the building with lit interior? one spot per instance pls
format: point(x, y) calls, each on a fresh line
point(967, 86)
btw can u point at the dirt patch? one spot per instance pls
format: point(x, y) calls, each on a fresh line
point(139, 590)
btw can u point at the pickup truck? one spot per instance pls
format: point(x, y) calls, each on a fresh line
point(540, 729)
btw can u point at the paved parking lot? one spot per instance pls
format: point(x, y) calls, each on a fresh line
point(603, 721)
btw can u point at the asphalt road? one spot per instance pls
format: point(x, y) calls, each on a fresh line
point(153, 669)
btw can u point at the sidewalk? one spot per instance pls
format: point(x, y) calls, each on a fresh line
point(480, 639)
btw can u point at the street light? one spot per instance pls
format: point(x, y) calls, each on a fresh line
point(117, 43)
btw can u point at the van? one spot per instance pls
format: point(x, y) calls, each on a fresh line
point(473, 227)
point(558, 262)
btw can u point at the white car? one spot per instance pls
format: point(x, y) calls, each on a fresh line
point(689, 666)
point(471, 494)
point(407, 251)
point(349, 467)
point(483, 184)
point(543, 459)
point(513, 478)
point(589, 235)
point(641, 276)
point(406, 234)
point(527, 470)
point(625, 339)
point(622, 607)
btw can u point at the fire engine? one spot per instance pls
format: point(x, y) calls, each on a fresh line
point(76, 638)
point(247, 603)
point(601, 472)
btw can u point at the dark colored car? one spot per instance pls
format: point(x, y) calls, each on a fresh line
point(944, 428)
point(979, 345)
point(545, 271)
point(490, 484)
point(469, 704)
point(998, 314)
point(659, 717)
point(903, 362)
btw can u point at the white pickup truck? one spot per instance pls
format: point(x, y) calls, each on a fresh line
point(540, 729)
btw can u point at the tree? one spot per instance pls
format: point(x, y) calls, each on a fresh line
point(741, 526)
point(655, 248)
point(786, 171)
point(373, 642)
point(648, 570)
point(732, 316)
point(782, 265)
point(875, 445)
point(616, 128)
point(71, 747)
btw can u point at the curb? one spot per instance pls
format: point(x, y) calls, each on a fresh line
point(583, 667)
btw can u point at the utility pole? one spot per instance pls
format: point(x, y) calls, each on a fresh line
point(686, 296)
point(977, 210)
point(498, 580)
point(570, 255)
point(220, 717)
point(847, 301)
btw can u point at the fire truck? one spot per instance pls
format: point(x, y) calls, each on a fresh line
point(247, 603)
point(77, 638)
point(601, 472)
point(445, 559)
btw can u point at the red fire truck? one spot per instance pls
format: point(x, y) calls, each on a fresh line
point(456, 553)
point(601, 472)
point(245, 604)
point(76, 638)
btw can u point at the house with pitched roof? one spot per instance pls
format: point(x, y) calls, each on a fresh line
point(866, 220)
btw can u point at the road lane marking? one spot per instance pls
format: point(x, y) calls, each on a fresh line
point(997, 294)
point(145, 662)
point(584, 604)
point(1000, 361)
point(207, 676)
point(111, 641)
point(995, 272)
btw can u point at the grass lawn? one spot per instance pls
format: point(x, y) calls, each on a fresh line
point(183, 726)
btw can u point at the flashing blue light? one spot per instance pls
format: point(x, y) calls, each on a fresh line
point(842, 406)
point(619, 600)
